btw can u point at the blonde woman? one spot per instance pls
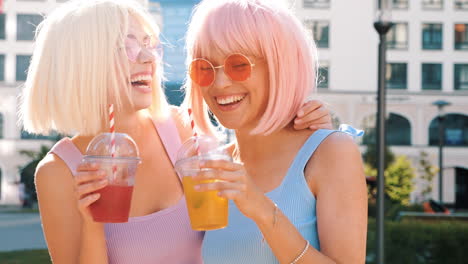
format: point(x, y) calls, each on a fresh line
point(88, 54)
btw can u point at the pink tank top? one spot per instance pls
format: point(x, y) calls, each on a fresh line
point(161, 237)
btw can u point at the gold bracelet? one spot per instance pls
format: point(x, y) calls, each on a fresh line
point(302, 253)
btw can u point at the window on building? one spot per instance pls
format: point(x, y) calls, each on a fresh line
point(323, 75)
point(2, 67)
point(432, 76)
point(461, 77)
point(1, 125)
point(456, 130)
point(26, 26)
point(22, 64)
point(320, 31)
point(461, 36)
point(316, 3)
point(397, 37)
point(432, 36)
point(400, 4)
point(396, 76)
point(461, 4)
point(2, 26)
point(398, 130)
point(433, 4)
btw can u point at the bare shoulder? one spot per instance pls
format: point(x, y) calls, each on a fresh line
point(182, 126)
point(336, 161)
point(51, 166)
point(53, 179)
point(338, 146)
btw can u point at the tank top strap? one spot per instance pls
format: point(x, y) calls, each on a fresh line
point(68, 152)
point(169, 136)
point(309, 147)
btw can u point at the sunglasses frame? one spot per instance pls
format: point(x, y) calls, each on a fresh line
point(158, 49)
point(223, 66)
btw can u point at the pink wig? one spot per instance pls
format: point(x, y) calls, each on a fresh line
point(261, 28)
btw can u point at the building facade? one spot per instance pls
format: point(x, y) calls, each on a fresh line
point(427, 60)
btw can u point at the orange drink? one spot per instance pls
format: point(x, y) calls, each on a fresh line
point(207, 211)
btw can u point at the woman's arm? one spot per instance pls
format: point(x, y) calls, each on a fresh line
point(68, 239)
point(313, 115)
point(336, 176)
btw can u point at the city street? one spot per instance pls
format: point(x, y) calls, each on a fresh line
point(20, 231)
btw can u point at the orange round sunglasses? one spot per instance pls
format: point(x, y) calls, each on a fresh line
point(237, 67)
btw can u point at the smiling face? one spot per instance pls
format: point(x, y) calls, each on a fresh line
point(237, 104)
point(141, 51)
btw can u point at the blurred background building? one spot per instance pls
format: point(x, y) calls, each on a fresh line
point(427, 61)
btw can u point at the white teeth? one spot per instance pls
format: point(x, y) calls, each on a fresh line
point(141, 78)
point(230, 99)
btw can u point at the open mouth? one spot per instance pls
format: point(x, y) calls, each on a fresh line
point(142, 83)
point(141, 80)
point(230, 100)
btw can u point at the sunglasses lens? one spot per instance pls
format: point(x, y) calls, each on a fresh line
point(132, 49)
point(201, 72)
point(154, 46)
point(238, 67)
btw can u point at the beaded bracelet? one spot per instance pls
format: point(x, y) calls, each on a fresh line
point(302, 253)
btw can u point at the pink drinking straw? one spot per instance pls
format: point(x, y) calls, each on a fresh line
point(194, 132)
point(112, 132)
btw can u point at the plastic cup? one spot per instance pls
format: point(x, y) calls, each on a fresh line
point(207, 211)
point(113, 206)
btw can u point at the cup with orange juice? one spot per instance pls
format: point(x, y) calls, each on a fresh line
point(207, 211)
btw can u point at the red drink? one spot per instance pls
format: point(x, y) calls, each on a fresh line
point(114, 204)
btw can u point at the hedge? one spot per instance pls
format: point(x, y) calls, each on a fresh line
point(415, 242)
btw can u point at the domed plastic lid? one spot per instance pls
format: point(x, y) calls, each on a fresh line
point(125, 147)
point(201, 146)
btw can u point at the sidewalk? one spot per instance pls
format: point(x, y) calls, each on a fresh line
point(20, 230)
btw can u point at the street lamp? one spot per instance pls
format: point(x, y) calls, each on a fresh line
point(382, 25)
point(440, 106)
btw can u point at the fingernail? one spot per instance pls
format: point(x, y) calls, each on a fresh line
point(297, 121)
point(300, 113)
point(102, 182)
point(196, 187)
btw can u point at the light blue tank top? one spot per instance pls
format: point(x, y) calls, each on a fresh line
point(241, 241)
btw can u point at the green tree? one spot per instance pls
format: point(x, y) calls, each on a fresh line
point(426, 173)
point(27, 171)
point(399, 180)
point(370, 155)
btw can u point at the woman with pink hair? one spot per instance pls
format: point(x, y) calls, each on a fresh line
point(295, 196)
